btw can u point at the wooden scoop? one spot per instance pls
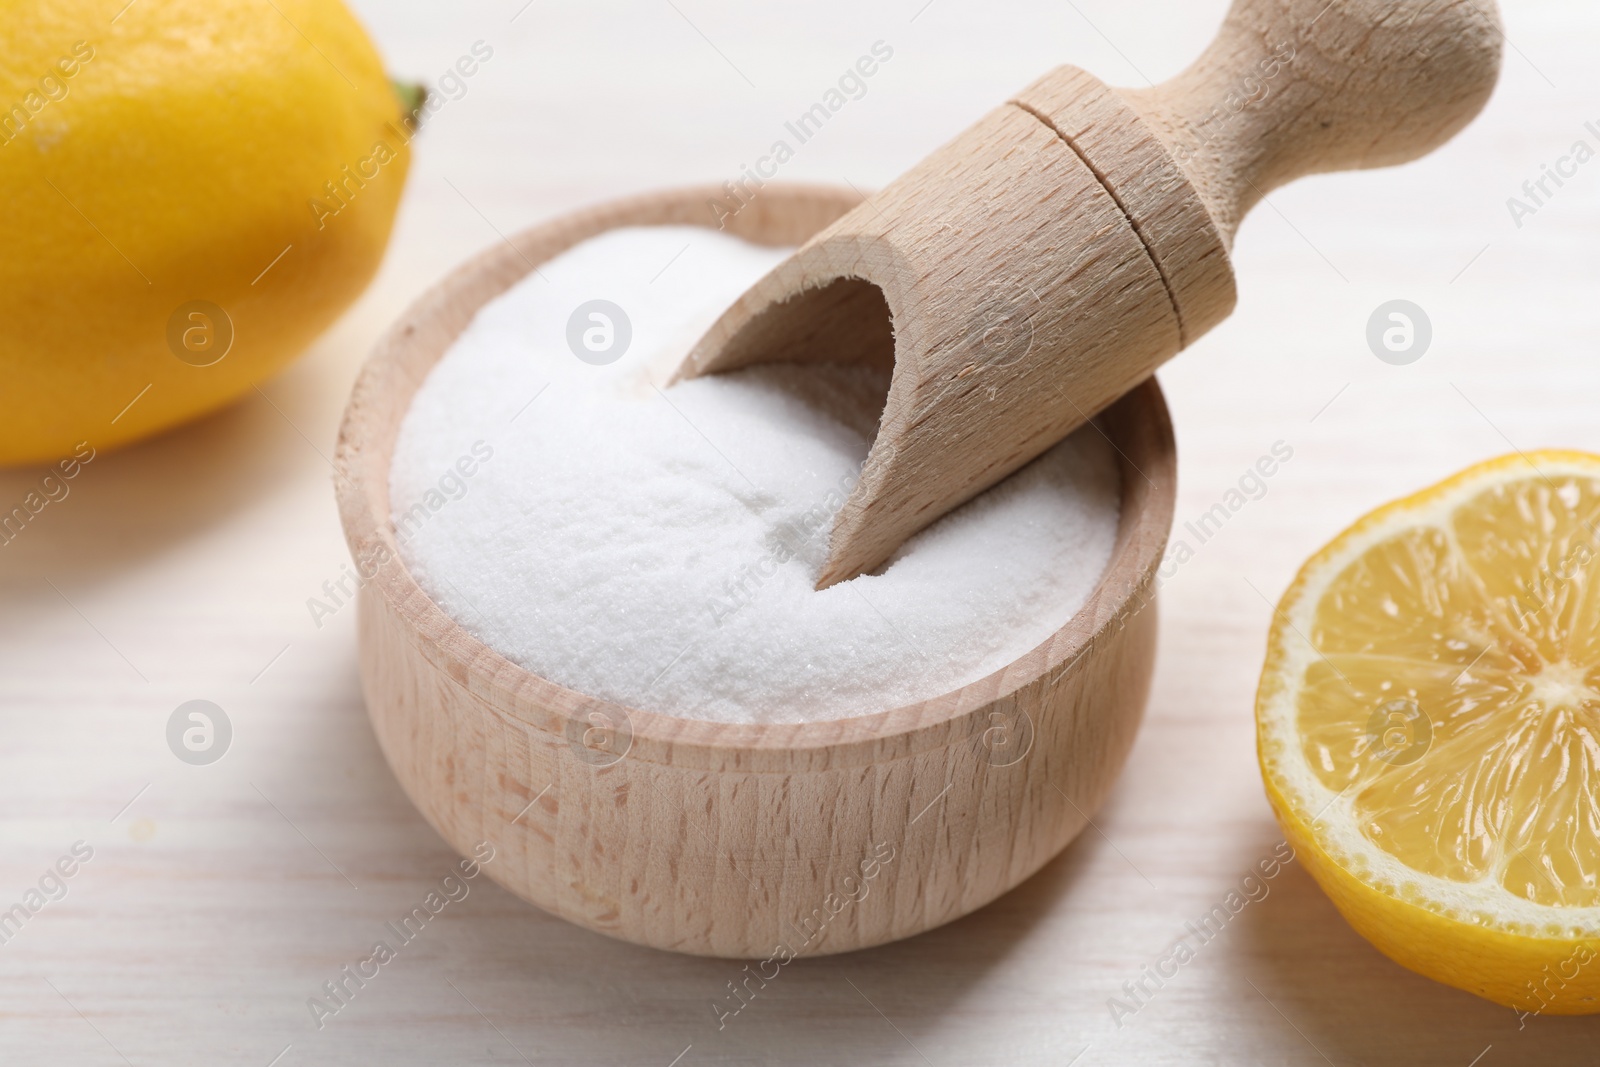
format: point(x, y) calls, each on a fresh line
point(1047, 260)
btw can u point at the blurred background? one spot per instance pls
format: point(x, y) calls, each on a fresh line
point(220, 897)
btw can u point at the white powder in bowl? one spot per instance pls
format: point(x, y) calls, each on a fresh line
point(659, 548)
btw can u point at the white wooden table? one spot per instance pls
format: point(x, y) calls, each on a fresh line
point(219, 898)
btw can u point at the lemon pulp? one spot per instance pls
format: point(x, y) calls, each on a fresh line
point(1430, 728)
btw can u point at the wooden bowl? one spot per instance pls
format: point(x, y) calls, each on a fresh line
point(748, 841)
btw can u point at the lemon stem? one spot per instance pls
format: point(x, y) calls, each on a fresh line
point(412, 95)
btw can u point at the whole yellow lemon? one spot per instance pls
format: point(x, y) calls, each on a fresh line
point(194, 189)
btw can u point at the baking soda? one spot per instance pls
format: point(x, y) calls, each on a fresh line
point(659, 547)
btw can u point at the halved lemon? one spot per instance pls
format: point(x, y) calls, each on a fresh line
point(1428, 725)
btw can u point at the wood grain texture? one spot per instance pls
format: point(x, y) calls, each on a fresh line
point(1036, 266)
point(720, 839)
point(1296, 87)
point(1151, 188)
point(1056, 253)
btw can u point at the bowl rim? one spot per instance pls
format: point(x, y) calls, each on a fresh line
point(1137, 425)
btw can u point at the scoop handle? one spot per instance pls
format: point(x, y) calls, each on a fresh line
point(1295, 87)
